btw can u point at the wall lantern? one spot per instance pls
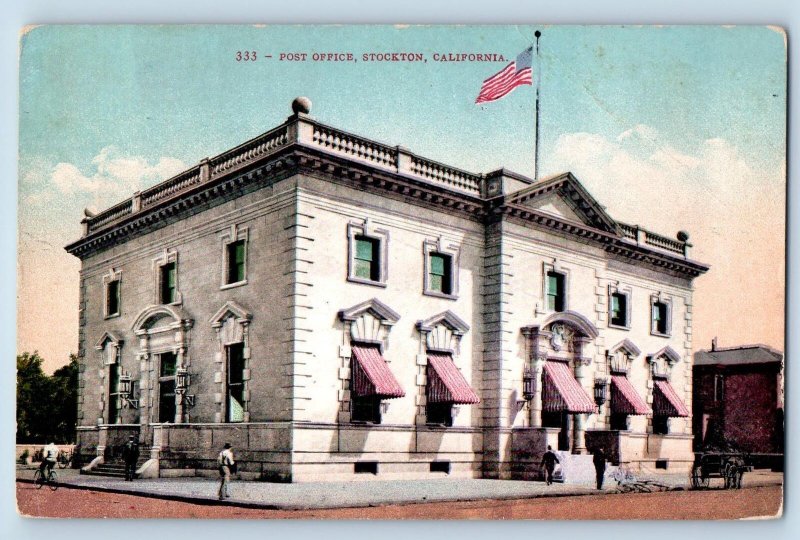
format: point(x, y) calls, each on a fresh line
point(528, 384)
point(182, 381)
point(124, 388)
point(384, 407)
point(600, 391)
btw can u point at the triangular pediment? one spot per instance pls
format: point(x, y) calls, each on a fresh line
point(447, 318)
point(375, 307)
point(564, 197)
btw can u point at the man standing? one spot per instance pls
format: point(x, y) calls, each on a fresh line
point(226, 463)
point(130, 453)
point(599, 460)
point(549, 460)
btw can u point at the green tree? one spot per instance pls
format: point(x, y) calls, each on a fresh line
point(46, 406)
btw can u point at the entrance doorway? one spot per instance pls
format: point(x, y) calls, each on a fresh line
point(166, 387)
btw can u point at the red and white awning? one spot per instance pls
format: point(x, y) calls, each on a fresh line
point(371, 374)
point(666, 401)
point(446, 384)
point(561, 392)
point(624, 398)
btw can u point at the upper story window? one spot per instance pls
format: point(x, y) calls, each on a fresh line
point(367, 261)
point(367, 250)
point(660, 317)
point(618, 309)
point(440, 273)
point(112, 298)
point(166, 278)
point(234, 257)
point(441, 268)
point(168, 283)
point(719, 388)
point(556, 291)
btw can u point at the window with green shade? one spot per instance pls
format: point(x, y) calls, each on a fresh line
point(236, 258)
point(235, 383)
point(555, 291)
point(168, 283)
point(619, 309)
point(440, 273)
point(112, 298)
point(660, 322)
point(367, 258)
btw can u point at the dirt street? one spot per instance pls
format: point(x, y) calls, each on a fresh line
point(712, 504)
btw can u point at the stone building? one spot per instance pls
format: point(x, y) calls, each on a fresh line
point(738, 400)
point(338, 308)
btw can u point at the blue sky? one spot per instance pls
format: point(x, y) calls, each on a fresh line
point(670, 127)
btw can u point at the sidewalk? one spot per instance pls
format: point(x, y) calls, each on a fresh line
point(319, 495)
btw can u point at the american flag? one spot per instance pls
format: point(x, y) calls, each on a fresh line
point(515, 74)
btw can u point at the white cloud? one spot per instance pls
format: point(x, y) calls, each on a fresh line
point(114, 177)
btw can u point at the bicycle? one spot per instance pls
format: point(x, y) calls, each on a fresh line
point(51, 479)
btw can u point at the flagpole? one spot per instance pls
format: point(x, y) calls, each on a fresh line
point(536, 125)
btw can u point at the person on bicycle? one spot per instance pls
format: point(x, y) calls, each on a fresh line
point(49, 457)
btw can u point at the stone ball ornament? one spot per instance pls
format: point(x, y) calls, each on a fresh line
point(301, 105)
point(683, 236)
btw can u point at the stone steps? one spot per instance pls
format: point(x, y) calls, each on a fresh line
point(112, 468)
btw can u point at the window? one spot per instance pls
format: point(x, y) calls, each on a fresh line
point(112, 298)
point(439, 414)
point(619, 421)
point(618, 307)
point(367, 254)
point(719, 388)
point(660, 425)
point(365, 467)
point(167, 281)
point(660, 318)
point(366, 409)
point(236, 259)
point(235, 383)
point(367, 261)
point(440, 273)
point(440, 466)
point(555, 291)
point(113, 393)
point(166, 387)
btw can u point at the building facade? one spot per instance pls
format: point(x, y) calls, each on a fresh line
point(338, 308)
point(738, 400)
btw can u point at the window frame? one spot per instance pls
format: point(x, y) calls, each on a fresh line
point(232, 236)
point(162, 379)
point(451, 252)
point(381, 238)
point(444, 409)
point(113, 275)
point(164, 289)
point(168, 256)
point(654, 331)
point(627, 293)
point(239, 385)
point(113, 393)
point(562, 295)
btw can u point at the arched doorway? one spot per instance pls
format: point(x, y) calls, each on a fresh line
point(559, 350)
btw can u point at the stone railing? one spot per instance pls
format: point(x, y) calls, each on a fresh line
point(647, 238)
point(251, 150)
point(449, 176)
point(298, 129)
point(354, 146)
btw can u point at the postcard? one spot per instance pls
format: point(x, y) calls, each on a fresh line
point(401, 272)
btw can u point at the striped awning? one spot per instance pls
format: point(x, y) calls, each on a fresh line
point(561, 392)
point(446, 384)
point(624, 398)
point(371, 374)
point(666, 401)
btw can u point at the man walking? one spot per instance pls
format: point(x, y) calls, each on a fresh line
point(549, 460)
point(226, 464)
point(130, 453)
point(599, 460)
